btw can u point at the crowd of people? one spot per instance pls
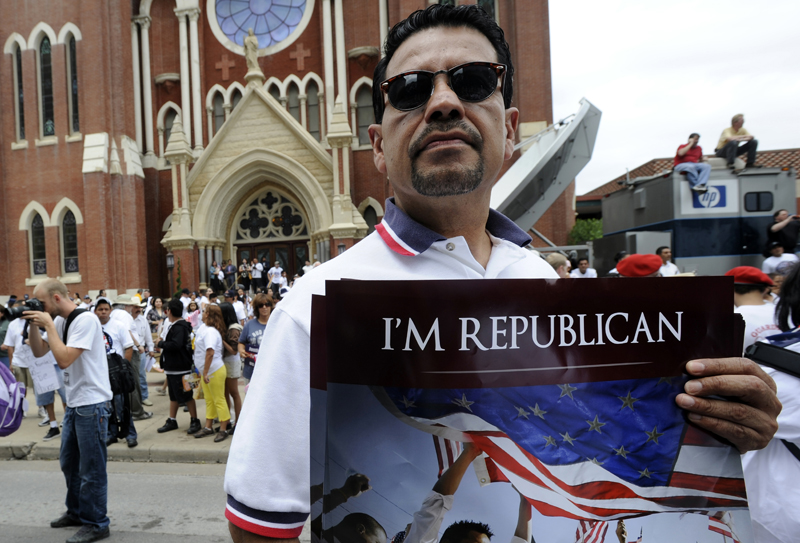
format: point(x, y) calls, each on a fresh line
point(197, 340)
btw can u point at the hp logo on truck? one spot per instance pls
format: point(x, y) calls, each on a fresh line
point(714, 197)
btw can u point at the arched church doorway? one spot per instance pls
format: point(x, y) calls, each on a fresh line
point(271, 226)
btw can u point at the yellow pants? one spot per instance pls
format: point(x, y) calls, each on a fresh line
point(214, 392)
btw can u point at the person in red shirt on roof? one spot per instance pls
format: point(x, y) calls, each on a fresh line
point(689, 159)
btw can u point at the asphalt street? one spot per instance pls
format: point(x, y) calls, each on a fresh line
point(147, 502)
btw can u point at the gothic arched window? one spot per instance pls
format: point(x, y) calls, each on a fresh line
point(72, 89)
point(275, 92)
point(237, 96)
point(489, 7)
point(19, 103)
point(365, 114)
point(38, 252)
point(48, 126)
point(293, 99)
point(69, 241)
point(312, 107)
point(169, 119)
point(219, 112)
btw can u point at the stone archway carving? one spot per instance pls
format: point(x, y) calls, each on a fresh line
point(243, 175)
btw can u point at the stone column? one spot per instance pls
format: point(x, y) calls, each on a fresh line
point(384, 22)
point(210, 120)
point(185, 84)
point(194, 48)
point(137, 85)
point(147, 84)
point(341, 52)
point(203, 266)
point(227, 108)
point(327, 48)
point(303, 112)
point(209, 257)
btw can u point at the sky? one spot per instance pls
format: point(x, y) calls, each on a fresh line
point(661, 70)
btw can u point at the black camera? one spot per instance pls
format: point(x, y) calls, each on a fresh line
point(31, 305)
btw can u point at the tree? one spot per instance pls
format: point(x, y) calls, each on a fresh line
point(585, 230)
point(178, 286)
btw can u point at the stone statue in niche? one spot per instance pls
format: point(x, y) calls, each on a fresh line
point(251, 51)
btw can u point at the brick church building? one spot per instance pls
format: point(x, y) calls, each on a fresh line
point(128, 132)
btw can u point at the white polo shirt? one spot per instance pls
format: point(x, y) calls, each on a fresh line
point(275, 502)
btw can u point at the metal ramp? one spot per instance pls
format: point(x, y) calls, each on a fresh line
point(556, 156)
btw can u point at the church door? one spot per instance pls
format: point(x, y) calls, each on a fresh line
point(272, 226)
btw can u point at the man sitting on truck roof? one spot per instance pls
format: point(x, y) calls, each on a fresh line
point(736, 141)
point(689, 159)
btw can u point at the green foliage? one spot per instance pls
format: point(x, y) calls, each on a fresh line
point(178, 286)
point(585, 230)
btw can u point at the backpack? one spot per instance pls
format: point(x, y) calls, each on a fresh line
point(12, 402)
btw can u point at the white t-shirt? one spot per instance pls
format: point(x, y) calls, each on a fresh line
point(117, 338)
point(241, 314)
point(759, 322)
point(256, 270)
point(779, 264)
point(669, 269)
point(591, 273)
point(22, 352)
point(84, 305)
point(275, 273)
point(771, 474)
point(185, 300)
point(202, 302)
point(86, 379)
point(206, 338)
point(126, 320)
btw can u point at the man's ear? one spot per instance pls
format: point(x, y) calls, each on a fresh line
point(376, 140)
point(512, 123)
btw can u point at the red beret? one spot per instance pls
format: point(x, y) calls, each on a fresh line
point(639, 265)
point(748, 275)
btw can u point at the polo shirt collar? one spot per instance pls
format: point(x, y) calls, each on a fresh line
point(407, 237)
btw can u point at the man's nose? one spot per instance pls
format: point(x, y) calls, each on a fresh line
point(444, 103)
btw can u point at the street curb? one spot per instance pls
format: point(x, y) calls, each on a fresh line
point(119, 452)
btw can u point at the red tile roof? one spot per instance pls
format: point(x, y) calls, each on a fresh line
point(773, 159)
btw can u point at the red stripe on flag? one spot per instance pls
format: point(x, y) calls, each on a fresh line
point(722, 485)
point(597, 491)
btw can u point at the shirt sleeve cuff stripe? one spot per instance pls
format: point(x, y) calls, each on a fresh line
point(279, 528)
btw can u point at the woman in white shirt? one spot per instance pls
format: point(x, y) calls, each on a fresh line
point(208, 361)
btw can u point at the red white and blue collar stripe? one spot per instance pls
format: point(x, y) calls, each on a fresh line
point(407, 237)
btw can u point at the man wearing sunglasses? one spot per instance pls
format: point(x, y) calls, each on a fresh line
point(445, 126)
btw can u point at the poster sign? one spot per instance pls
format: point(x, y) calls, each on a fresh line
point(533, 410)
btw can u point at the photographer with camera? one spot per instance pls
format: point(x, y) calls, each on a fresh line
point(81, 354)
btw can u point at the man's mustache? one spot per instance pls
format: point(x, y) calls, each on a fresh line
point(446, 126)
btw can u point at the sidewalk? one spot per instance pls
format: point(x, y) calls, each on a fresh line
point(174, 446)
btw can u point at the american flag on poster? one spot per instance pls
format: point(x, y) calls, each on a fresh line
point(590, 531)
point(596, 451)
point(447, 451)
point(722, 523)
point(639, 540)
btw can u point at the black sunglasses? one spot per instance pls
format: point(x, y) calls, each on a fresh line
point(472, 82)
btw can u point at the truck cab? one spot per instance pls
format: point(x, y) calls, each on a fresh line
point(709, 232)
